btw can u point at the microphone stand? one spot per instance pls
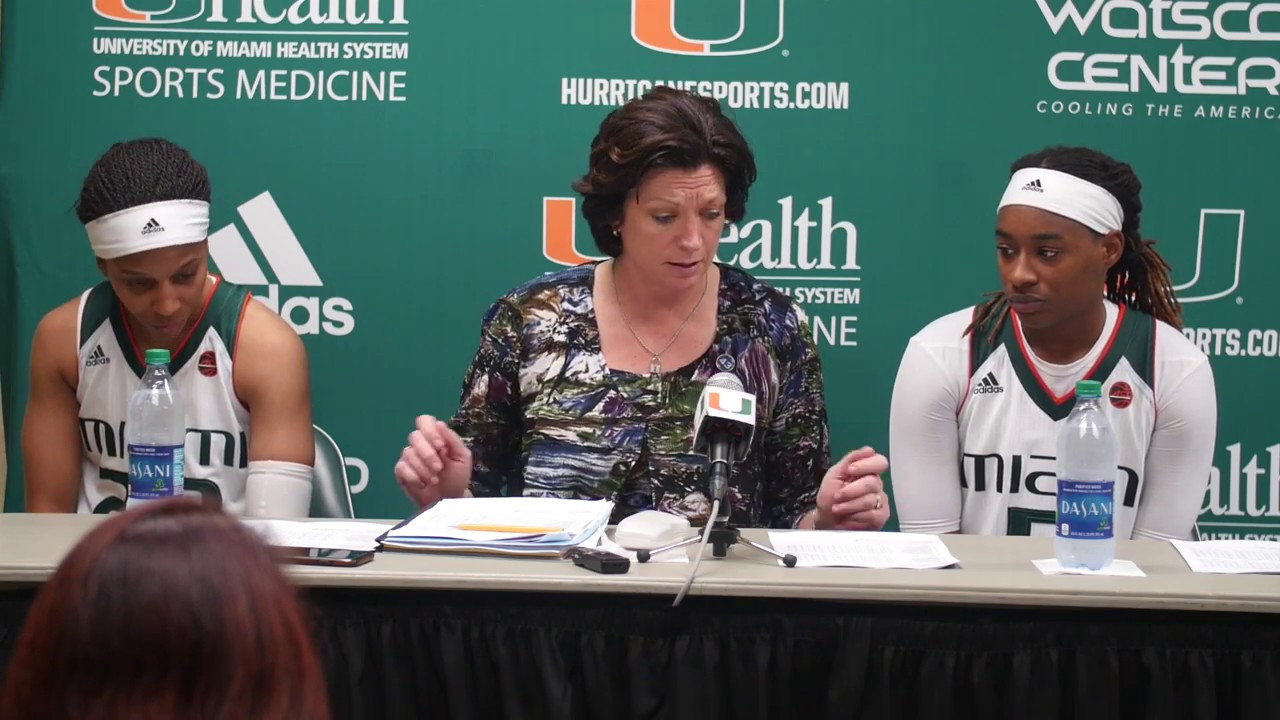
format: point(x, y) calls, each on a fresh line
point(723, 532)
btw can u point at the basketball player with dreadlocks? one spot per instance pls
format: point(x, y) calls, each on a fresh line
point(241, 369)
point(981, 393)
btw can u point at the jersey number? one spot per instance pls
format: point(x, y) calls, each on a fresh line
point(208, 490)
point(1021, 520)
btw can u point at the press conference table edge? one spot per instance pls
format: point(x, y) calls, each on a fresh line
point(993, 571)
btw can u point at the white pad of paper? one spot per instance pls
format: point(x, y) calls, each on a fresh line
point(847, 548)
point(335, 534)
point(507, 518)
point(1230, 556)
point(1122, 568)
point(524, 526)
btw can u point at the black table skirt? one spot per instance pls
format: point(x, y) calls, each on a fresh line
point(419, 654)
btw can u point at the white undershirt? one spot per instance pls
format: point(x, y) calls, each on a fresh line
point(933, 380)
point(1061, 379)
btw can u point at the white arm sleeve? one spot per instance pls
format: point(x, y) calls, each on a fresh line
point(278, 489)
point(924, 443)
point(1179, 457)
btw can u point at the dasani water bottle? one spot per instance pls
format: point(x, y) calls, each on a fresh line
point(1087, 465)
point(156, 431)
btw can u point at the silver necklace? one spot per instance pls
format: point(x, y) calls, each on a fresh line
point(655, 360)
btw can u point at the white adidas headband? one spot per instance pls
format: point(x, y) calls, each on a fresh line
point(1065, 195)
point(148, 227)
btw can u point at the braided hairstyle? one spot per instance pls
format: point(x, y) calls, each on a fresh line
point(138, 172)
point(1140, 277)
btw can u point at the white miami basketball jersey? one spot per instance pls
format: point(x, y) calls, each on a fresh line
point(111, 365)
point(1010, 420)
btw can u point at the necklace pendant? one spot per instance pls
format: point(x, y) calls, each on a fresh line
point(655, 366)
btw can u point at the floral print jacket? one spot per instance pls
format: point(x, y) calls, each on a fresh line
point(545, 416)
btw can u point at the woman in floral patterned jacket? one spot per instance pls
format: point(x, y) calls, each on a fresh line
point(585, 381)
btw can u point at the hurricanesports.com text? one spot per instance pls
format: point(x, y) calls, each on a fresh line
point(736, 94)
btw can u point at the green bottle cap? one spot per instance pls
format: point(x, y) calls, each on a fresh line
point(1089, 388)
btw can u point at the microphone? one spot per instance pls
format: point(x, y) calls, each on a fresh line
point(723, 425)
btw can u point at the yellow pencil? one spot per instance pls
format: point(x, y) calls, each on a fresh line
point(508, 529)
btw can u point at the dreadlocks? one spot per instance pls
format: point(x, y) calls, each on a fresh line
point(138, 172)
point(1140, 277)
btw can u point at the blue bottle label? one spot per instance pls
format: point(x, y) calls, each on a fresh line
point(156, 471)
point(1086, 510)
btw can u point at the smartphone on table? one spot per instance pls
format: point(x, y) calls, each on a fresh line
point(330, 557)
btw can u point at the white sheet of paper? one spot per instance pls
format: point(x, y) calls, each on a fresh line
point(1230, 556)
point(336, 534)
point(595, 539)
point(1122, 568)
point(844, 548)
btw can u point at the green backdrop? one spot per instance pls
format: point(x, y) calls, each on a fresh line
point(383, 169)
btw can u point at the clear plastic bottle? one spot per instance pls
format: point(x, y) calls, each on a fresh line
point(1087, 467)
point(156, 432)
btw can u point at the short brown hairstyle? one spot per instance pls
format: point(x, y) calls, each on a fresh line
point(173, 610)
point(664, 128)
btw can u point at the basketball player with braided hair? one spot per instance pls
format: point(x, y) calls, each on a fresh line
point(981, 393)
point(241, 369)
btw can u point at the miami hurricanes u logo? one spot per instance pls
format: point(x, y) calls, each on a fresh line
point(1217, 269)
point(759, 27)
point(737, 403)
point(178, 11)
point(558, 246)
